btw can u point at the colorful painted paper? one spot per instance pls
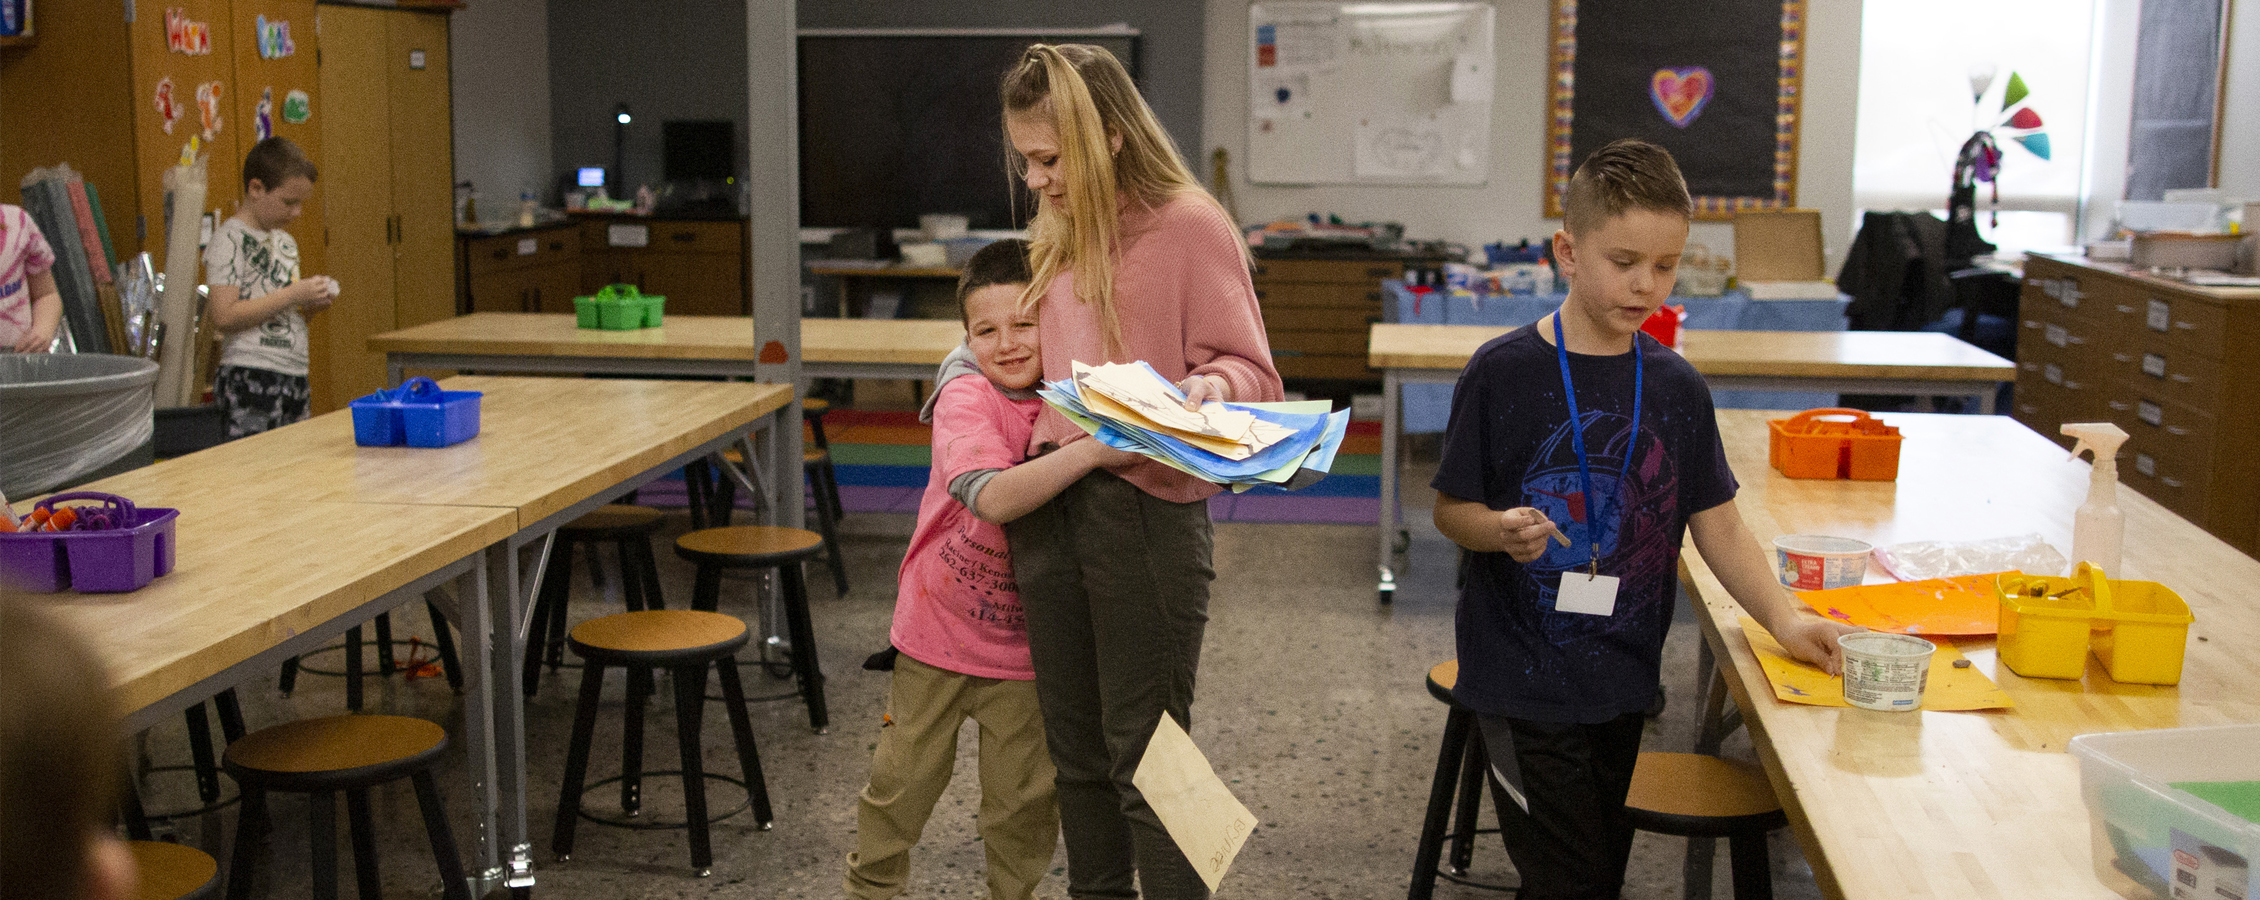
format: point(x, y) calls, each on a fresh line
point(1949, 689)
point(297, 108)
point(263, 115)
point(185, 35)
point(1681, 93)
point(274, 38)
point(208, 96)
point(2037, 143)
point(168, 105)
point(1967, 605)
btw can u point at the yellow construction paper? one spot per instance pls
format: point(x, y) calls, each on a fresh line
point(1949, 690)
point(1968, 605)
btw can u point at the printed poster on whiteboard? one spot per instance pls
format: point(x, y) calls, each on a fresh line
point(1369, 93)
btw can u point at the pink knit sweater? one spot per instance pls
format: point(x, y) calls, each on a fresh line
point(1187, 308)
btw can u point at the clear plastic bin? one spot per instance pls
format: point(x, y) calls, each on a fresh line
point(2173, 843)
point(64, 416)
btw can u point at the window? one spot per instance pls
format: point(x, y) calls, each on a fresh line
point(1916, 63)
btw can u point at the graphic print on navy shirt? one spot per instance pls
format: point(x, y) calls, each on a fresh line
point(1648, 495)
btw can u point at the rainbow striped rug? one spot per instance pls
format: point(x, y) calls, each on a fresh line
point(883, 458)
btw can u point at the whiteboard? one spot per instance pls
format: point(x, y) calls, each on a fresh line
point(1369, 93)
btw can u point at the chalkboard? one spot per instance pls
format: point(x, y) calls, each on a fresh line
point(1717, 84)
point(1369, 93)
point(897, 123)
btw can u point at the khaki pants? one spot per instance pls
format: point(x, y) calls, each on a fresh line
point(1019, 822)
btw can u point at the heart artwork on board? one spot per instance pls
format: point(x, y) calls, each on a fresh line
point(1681, 93)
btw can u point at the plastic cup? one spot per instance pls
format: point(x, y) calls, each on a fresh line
point(1813, 562)
point(1885, 671)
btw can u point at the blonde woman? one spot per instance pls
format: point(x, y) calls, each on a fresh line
point(1132, 260)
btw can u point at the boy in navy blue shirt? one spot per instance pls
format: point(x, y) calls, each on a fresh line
point(1582, 431)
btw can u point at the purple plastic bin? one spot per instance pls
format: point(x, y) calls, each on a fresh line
point(108, 561)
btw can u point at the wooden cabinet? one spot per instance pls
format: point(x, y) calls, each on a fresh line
point(699, 266)
point(389, 172)
point(2155, 356)
point(522, 271)
point(1317, 313)
point(85, 93)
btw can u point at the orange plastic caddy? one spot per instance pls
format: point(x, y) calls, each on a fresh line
point(1834, 443)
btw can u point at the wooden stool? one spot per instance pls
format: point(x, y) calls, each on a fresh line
point(716, 550)
point(1695, 796)
point(319, 757)
point(171, 872)
point(686, 643)
point(1460, 768)
point(629, 528)
point(824, 491)
point(812, 410)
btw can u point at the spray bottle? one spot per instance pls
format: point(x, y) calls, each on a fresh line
point(2098, 529)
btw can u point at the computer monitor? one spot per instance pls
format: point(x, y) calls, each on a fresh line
point(589, 177)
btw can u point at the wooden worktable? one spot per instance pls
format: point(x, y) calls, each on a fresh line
point(535, 454)
point(1866, 355)
point(1920, 364)
point(682, 345)
point(252, 574)
point(1952, 804)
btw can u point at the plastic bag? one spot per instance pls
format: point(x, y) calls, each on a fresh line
point(63, 416)
point(1919, 560)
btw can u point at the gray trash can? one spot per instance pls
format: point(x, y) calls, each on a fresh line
point(63, 416)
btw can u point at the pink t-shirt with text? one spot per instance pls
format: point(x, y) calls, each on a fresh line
point(23, 254)
point(956, 604)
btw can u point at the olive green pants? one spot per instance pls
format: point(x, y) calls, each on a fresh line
point(1115, 583)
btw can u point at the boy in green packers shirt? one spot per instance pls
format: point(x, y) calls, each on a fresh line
point(259, 302)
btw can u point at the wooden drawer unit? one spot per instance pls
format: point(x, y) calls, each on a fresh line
point(520, 271)
point(699, 266)
point(1318, 313)
point(2154, 356)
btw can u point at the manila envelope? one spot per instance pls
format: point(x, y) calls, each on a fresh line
point(1202, 816)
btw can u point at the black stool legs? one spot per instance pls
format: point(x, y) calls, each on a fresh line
point(690, 707)
point(706, 595)
point(321, 806)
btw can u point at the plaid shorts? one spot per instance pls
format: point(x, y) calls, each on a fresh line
point(256, 400)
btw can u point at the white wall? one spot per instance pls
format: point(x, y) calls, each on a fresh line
point(1510, 206)
point(500, 69)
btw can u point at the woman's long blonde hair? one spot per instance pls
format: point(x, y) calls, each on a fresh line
point(1090, 99)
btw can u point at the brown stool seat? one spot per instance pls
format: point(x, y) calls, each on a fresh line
point(814, 407)
point(171, 871)
point(616, 517)
point(659, 637)
point(1442, 677)
point(335, 752)
point(321, 758)
point(749, 545)
point(1692, 795)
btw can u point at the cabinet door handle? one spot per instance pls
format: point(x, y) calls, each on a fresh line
point(684, 237)
point(1381, 272)
point(2186, 326)
point(2170, 482)
point(501, 253)
point(1261, 294)
point(2121, 357)
point(2119, 405)
point(2124, 308)
point(2184, 379)
point(2177, 431)
point(1260, 270)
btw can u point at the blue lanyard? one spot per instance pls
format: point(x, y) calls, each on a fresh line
point(1577, 436)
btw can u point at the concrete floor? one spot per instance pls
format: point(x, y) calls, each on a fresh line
point(1311, 706)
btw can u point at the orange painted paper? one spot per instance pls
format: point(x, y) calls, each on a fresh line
point(1949, 689)
point(1966, 605)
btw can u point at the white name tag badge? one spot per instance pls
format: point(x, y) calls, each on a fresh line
point(1593, 595)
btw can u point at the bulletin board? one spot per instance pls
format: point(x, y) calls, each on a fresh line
point(1369, 93)
point(1717, 84)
